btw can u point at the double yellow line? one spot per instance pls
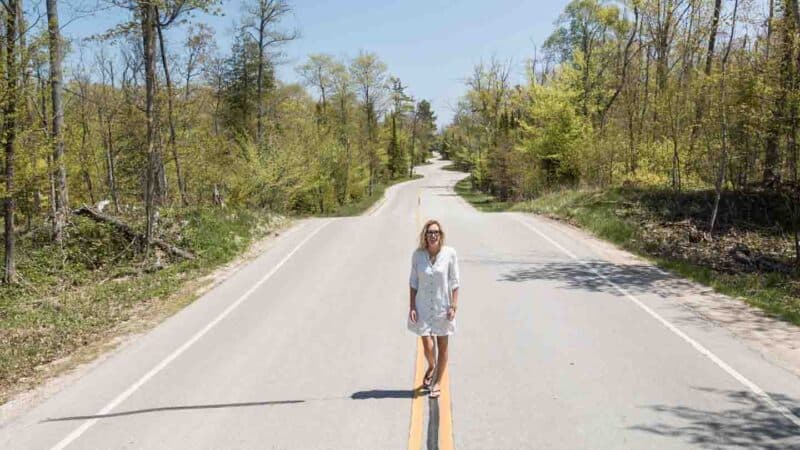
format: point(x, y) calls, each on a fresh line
point(445, 418)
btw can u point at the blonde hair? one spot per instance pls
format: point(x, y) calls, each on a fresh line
point(423, 243)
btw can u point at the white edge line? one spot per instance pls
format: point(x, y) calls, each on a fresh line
point(160, 366)
point(754, 388)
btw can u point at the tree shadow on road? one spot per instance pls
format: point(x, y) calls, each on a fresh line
point(749, 423)
point(643, 279)
point(583, 276)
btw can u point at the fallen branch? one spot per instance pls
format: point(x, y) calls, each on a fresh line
point(743, 255)
point(130, 233)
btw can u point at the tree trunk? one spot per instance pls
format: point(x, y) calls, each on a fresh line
point(412, 150)
point(370, 150)
point(662, 48)
point(720, 183)
point(676, 165)
point(148, 18)
point(171, 114)
point(105, 118)
point(131, 234)
point(625, 63)
point(85, 156)
point(796, 240)
point(112, 182)
point(10, 129)
point(56, 87)
point(712, 36)
point(260, 81)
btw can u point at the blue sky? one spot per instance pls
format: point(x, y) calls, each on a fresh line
point(431, 45)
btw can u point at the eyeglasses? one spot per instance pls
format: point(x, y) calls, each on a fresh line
point(433, 232)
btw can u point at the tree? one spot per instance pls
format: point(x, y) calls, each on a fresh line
point(239, 86)
point(585, 30)
point(317, 72)
point(12, 9)
point(369, 75)
point(106, 114)
point(57, 92)
point(402, 104)
point(148, 15)
point(200, 47)
point(423, 127)
point(265, 16)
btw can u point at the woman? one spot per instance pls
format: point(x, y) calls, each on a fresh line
point(433, 290)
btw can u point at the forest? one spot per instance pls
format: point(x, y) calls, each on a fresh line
point(142, 123)
point(669, 127)
point(679, 95)
point(145, 156)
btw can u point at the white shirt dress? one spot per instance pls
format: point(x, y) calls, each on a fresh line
point(434, 284)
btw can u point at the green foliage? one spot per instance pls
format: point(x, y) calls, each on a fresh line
point(479, 200)
point(78, 293)
point(623, 96)
point(553, 135)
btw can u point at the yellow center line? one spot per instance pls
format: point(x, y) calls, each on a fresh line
point(445, 438)
point(445, 414)
point(415, 432)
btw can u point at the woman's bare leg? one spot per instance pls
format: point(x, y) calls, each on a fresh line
point(441, 362)
point(427, 346)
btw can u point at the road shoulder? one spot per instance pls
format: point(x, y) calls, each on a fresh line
point(776, 340)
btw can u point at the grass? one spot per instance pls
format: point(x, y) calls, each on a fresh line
point(453, 167)
point(645, 223)
point(74, 298)
point(481, 201)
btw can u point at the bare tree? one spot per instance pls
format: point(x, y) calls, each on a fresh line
point(148, 16)
point(369, 75)
point(56, 87)
point(200, 47)
point(105, 115)
point(167, 15)
point(317, 72)
point(723, 159)
point(262, 26)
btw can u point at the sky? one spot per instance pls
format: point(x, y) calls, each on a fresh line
point(431, 45)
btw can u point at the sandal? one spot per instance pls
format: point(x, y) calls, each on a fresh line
point(428, 379)
point(434, 393)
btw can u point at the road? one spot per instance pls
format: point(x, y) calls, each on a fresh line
point(306, 348)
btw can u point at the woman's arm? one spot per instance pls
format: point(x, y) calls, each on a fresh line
point(413, 281)
point(451, 311)
point(412, 306)
point(453, 281)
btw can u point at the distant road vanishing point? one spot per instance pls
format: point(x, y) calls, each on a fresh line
point(558, 347)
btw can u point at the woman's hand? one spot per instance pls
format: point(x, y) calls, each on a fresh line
point(451, 312)
point(412, 315)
